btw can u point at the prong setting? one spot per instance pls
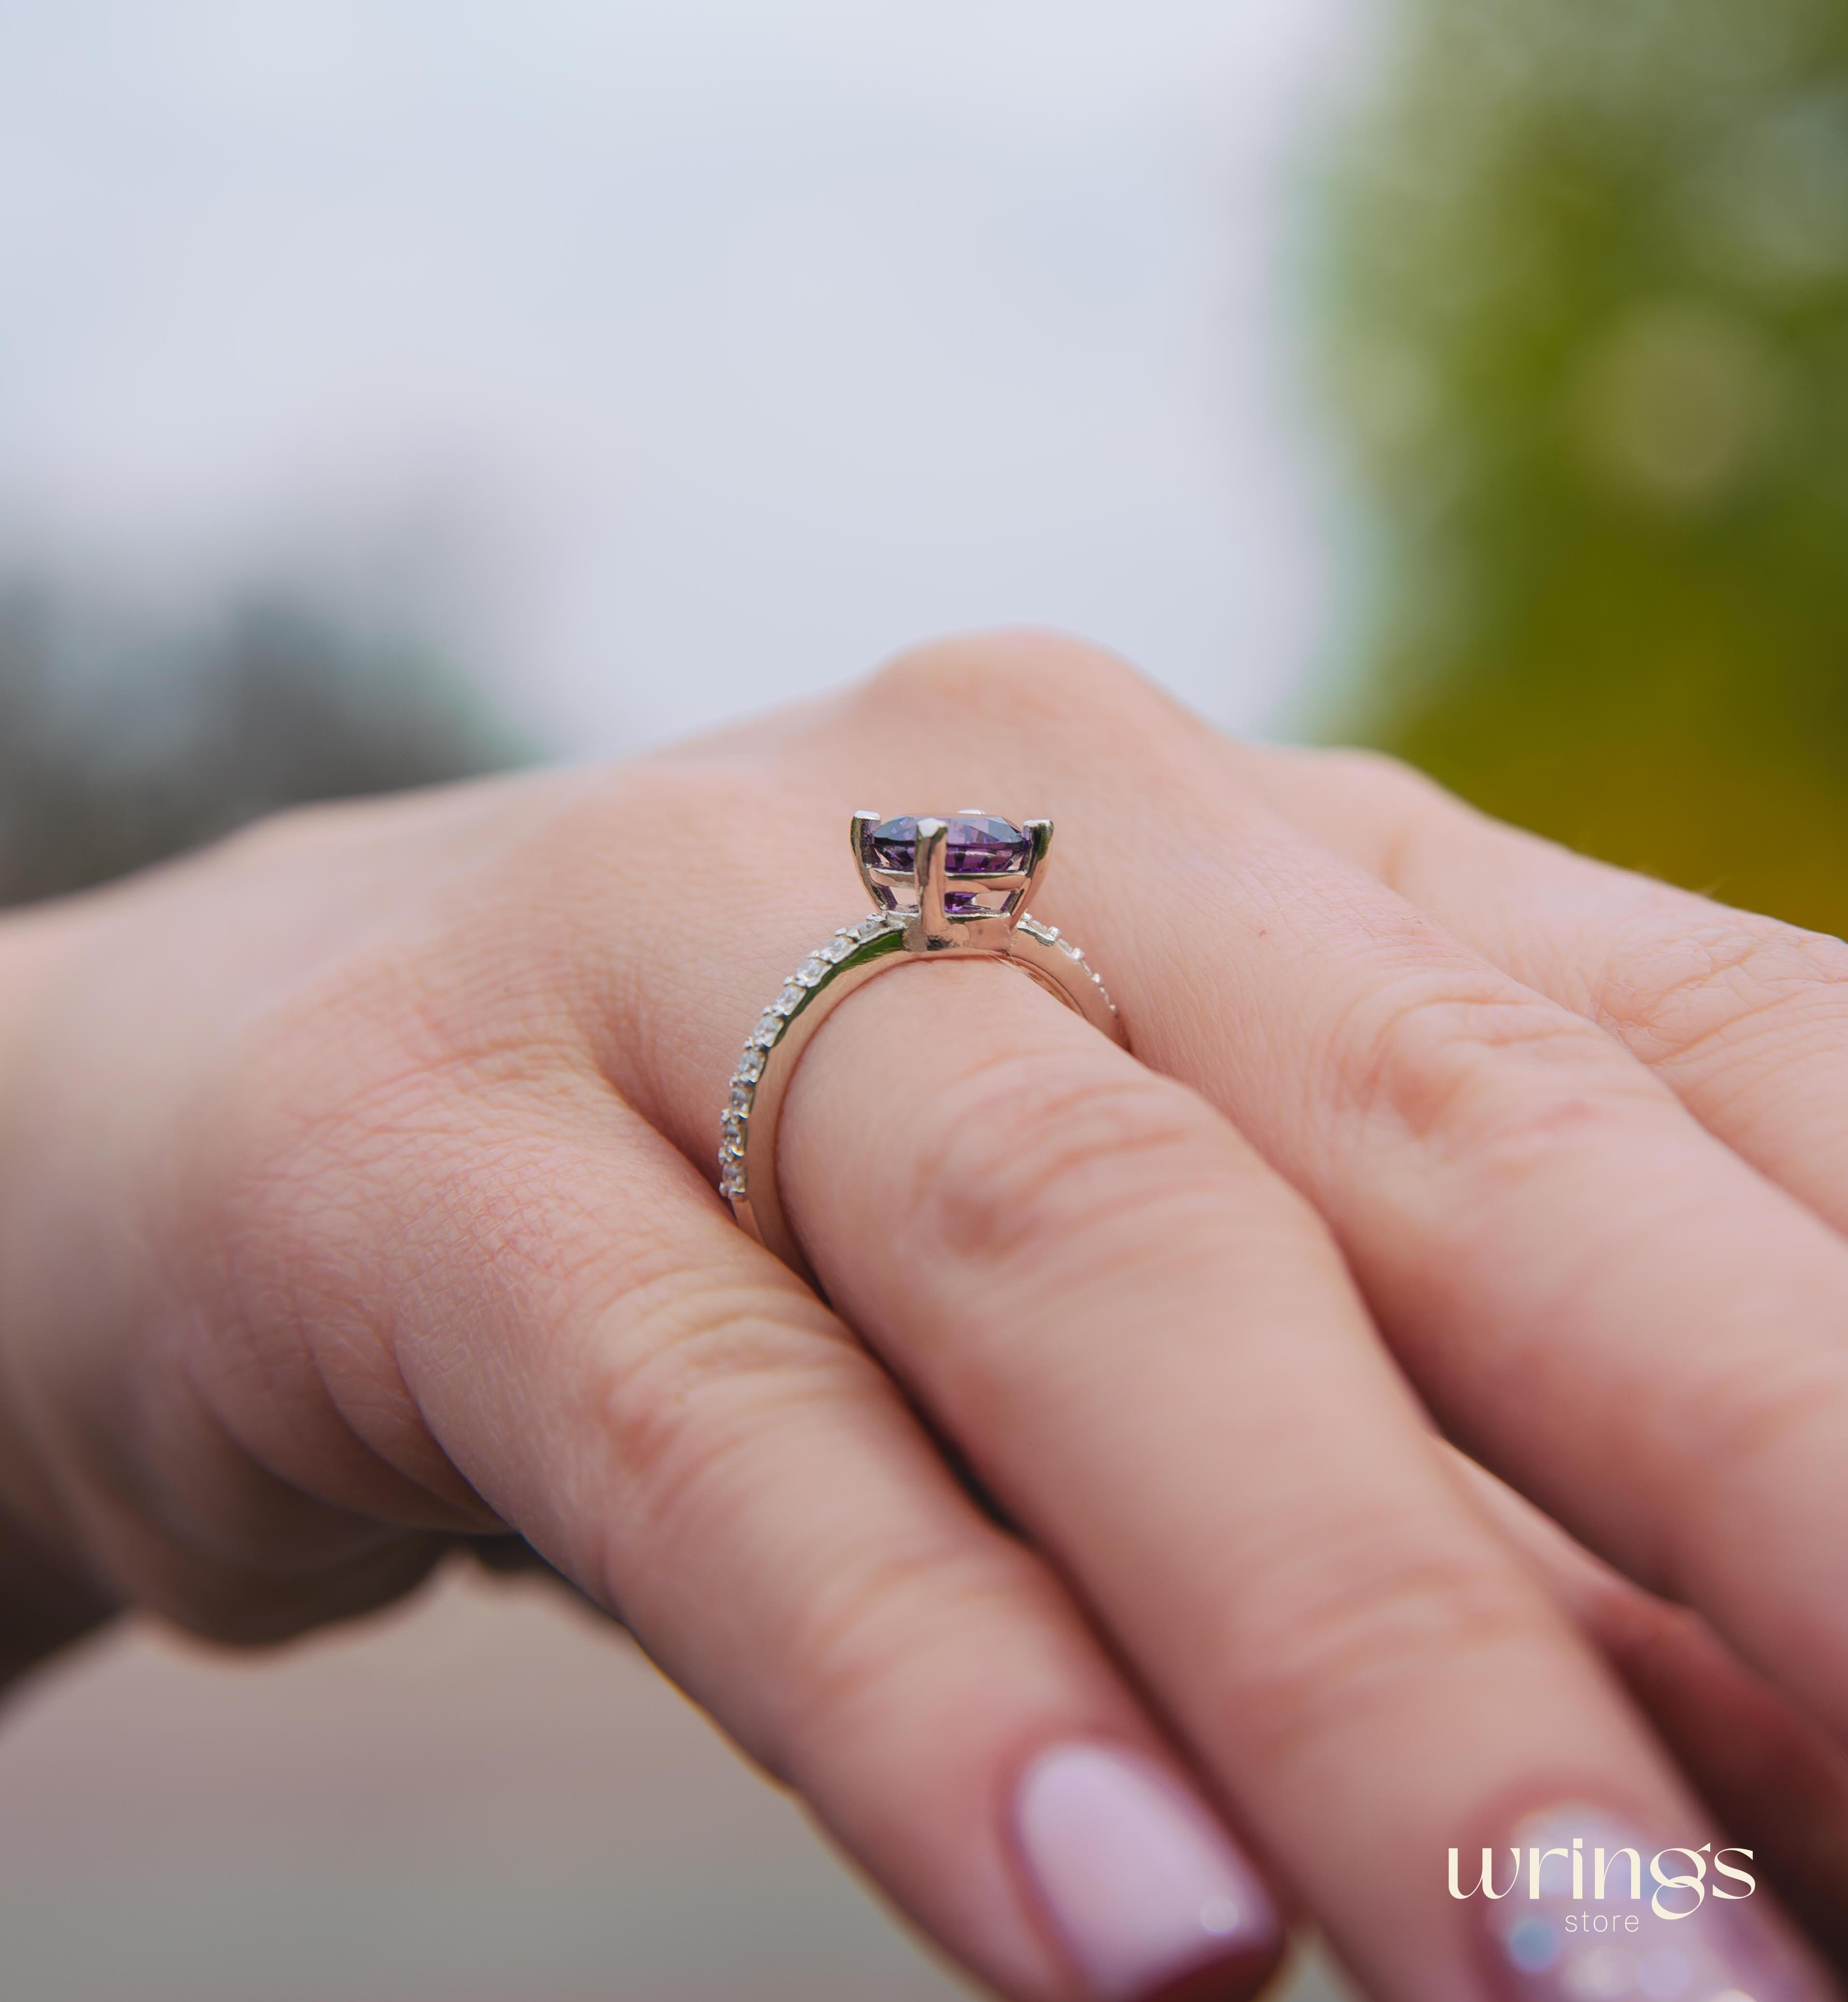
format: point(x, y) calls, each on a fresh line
point(1039, 833)
point(932, 872)
point(859, 829)
point(897, 864)
point(945, 919)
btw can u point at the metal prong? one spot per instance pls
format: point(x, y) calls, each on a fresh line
point(1039, 833)
point(933, 853)
point(859, 829)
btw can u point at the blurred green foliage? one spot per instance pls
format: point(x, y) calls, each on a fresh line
point(1587, 313)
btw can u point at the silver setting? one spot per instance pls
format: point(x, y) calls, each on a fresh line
point(896, 932)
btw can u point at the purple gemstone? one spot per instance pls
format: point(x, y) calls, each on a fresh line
point(971, 847)
point(984, 847)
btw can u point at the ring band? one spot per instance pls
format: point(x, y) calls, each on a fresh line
point(954, 887)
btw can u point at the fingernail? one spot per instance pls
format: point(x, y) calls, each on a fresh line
point(1142, 1883)
point(1571, 1944)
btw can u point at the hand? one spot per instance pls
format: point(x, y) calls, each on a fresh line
point(355, 1195)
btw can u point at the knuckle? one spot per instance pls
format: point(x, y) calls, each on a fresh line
point(1036, 1158)
point(1400, 806)
point(1730, 983)
point(1380, 773)
point(430, 1104)
point(880, 1622)
point(293, 1177)
point(1016, 680)
point(681, 1375)
point(1361, 1629)
point(688, 1395)
point(1479, 1067)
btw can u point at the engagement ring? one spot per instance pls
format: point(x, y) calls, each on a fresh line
point(940, 888)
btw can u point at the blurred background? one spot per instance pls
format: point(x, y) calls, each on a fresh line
point(1581, 315)
point(397, 391)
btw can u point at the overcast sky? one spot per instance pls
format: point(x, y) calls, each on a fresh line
point(672, 357)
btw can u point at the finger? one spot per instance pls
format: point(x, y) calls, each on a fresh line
point(170, 1512)
point(688, 1435)
point(671, 1021)
point(1147, 1347)
point(1594, 1297)
point(1744, 1017)
point(1775, 1780)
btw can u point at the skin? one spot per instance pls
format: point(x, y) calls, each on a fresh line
point(356, 1197)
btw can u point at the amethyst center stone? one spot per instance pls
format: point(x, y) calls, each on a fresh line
point(973, 845)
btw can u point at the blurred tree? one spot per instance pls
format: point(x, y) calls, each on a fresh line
point(1587, 305)
point(123, 741)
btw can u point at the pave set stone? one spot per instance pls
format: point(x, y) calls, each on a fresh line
point(774, 1019)
point(769, 1032)
point(1049, 935)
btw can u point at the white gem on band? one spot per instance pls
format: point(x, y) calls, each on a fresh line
point(811, 974)
point(795, 991)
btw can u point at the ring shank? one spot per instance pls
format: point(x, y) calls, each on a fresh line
point(1037, 949)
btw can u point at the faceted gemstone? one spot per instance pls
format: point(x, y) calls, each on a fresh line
point(983, 846)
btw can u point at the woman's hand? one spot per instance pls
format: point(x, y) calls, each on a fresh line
point(355, 1195)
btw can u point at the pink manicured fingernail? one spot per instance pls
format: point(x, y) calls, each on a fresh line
point(1618, 1940)
point(1142, 1884)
